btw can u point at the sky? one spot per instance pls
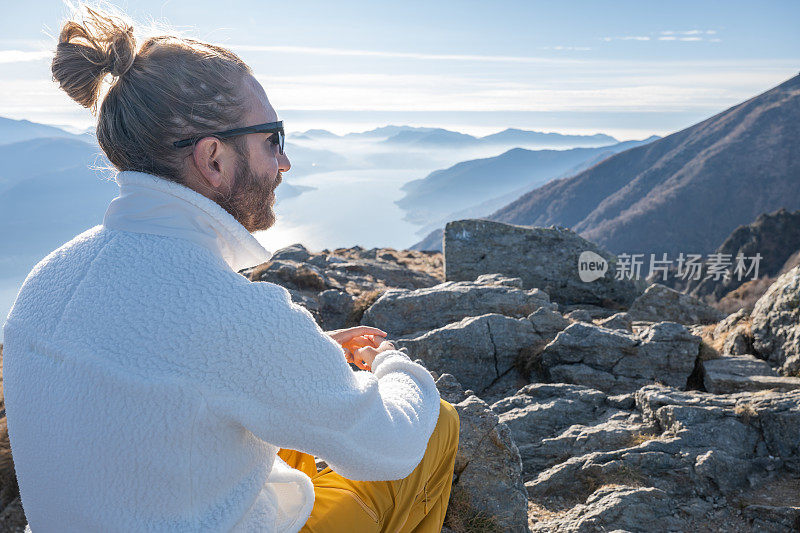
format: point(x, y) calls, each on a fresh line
point(627, 68)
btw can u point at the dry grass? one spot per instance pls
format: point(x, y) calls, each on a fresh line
point(461, 517)
point(362, 302)
point(745, 411)
point(640, 438)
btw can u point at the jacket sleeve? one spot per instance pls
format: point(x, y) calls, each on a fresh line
point(285, 380)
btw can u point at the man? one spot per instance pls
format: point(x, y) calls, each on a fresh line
point(150, 387)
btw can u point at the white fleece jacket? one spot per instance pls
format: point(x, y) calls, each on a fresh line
point(148, 385)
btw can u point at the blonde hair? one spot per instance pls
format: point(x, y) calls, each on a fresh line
point(169, 89)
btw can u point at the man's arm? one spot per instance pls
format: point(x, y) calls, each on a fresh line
point(287, 382)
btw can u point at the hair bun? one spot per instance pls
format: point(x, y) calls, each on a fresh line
point(93, 44)
point(121, 52)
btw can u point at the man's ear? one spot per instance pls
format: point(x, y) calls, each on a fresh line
point(214, 160)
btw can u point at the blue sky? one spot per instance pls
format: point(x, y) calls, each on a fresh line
point(625, 68)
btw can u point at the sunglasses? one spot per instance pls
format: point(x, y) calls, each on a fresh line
point(276, 128)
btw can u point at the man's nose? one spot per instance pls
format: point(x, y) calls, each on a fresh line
point(283, 163)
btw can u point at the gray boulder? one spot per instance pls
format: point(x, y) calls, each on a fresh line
point(659, 303)
point(553, 422)
point(546, 258)
point(776, 323)
point(294, 252)
point(621, 321)
point(618, 507)
point(743, 373)
point(488, 469)
point(409, 313)
point(334, 308)
point(477, 350)
point(617, 362)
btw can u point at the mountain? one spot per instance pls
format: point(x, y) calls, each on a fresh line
point(318, 134)
point(436, 137)
point(12, 131)
point(25, 159)
point(775, 237)
point(525, 138)
point(431, 199)
point(386, 132)
point(307, 160)
point(686, 192)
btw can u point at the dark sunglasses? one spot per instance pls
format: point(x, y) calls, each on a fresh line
point(276, 128)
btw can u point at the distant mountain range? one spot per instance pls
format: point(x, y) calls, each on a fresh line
point(494, 181)
point(12, 131)
point(439, 137)
point(49, 191)
point(686, 192)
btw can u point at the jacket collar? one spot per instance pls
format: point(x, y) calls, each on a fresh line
point(151, 204)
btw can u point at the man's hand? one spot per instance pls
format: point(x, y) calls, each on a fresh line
point(354, 340)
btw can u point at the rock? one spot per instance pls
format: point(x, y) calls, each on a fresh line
point(776, 323)
point(293, 275)
point(617, 321)
point(743, 373)
point(477, 350)
point(738, 342)
point(295, 252)
point(554, 422)
point(409, 313)
point(488, 469)
point(546, 258)
point(12, 517)
point(499, 279)
point(618, 362)
point(659, 303)
point(334, 308)
point(548, 322)
point(579, 315)
point(773, 518)
point(618, 507)
point(730, 322)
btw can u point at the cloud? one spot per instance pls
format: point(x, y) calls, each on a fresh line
point(559, 47)
point(19, 56)
point(324, 51)
point(669, 35)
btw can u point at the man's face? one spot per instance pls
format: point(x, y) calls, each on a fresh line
point(259, 167)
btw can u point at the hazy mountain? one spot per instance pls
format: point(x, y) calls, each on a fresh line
point(386, 132)
point(25, 159)
point(383, 132)
point(12, 131)
point(318, 134)
point(685, 192)
point(525, 137)
point(307, 160)
point(432, 199)
point(436, 137)
point(40, 213)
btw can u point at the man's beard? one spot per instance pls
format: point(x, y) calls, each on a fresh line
point(250, 200)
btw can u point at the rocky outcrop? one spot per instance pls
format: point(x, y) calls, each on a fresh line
point(776, 323)
point(616, 361)
point(479, 349)
point(705, 448)
point(322, 282)
point(659, 302)
point(488, 471)
point(743, 373)
point(773, 236)
point(405, 313)
point(546, 258)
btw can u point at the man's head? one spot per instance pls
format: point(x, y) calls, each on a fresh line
point(173, 88)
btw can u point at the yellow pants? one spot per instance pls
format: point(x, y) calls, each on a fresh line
point(416, 503)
